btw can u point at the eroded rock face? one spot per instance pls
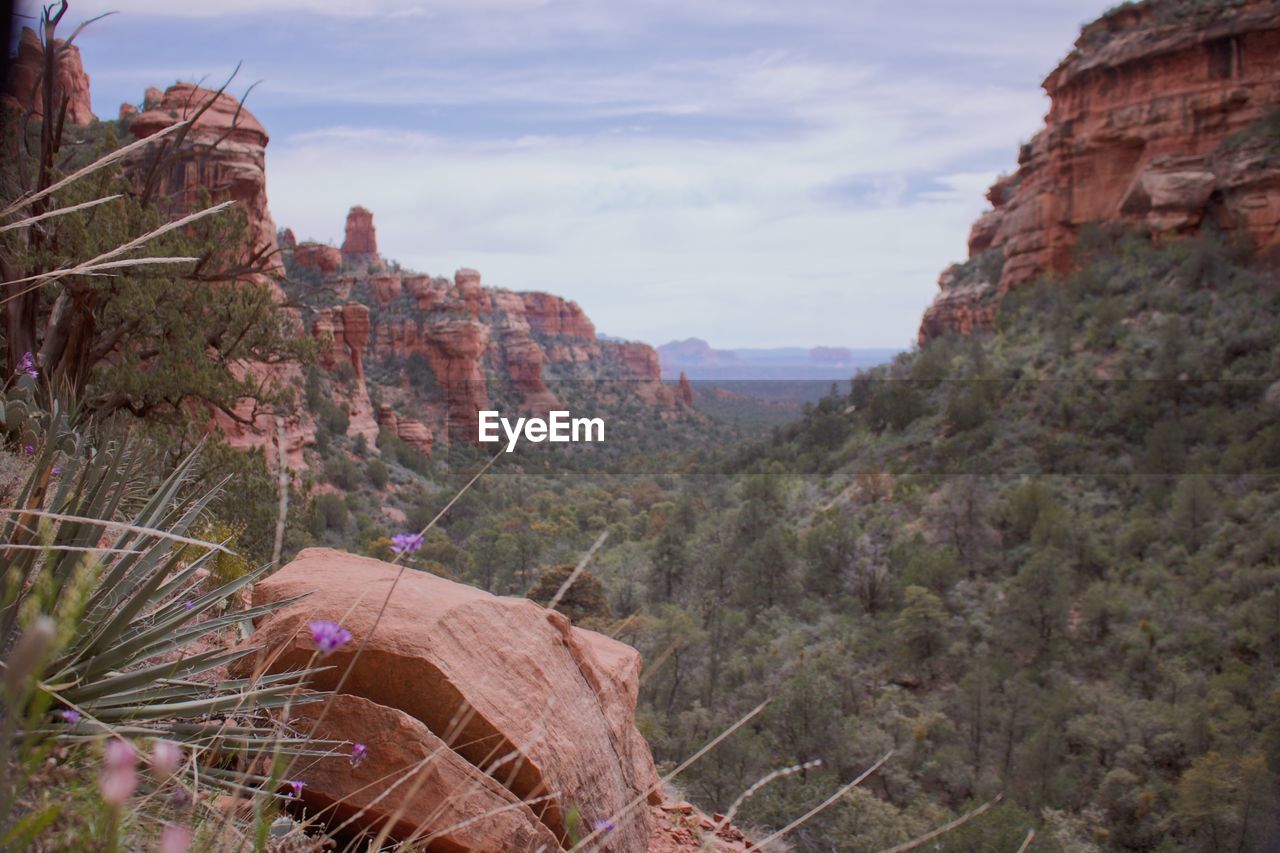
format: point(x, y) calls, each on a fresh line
point(686, 390)
point(26, 79)
point(551, 315)
point(546, 708)
point(361, 242)
point(224, 153)
point(1151, 125)
point(469, 334)
point(317, 256)
point(414, 433)
point(457, 805)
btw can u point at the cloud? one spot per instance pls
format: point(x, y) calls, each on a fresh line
point(755, 173)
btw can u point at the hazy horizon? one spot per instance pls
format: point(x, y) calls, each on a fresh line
point(752, 175)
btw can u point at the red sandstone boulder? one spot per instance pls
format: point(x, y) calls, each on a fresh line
point(26, 79)
point(438, 796)
point(686, 390)
point(317, 256)
point(546, 708)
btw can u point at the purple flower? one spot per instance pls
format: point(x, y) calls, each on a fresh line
point(604, 826)
point(56, 470)
point(28, 449)
point(175, 838)
point(27, 365)
point(406, 543)
point(295, 788)
point(188, 604)
point(69, 716)
point(329, 636)
point(359, 752)
point(119, 777)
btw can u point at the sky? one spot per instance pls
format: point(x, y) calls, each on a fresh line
point(756, 173)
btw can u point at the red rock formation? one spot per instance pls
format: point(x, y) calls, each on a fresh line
point(386, 287)
point(413, 433)
point(287, 239)
point(127, 111)
point(498, 679)
point(454, 347)
point(686, 390)
point(443, 786)
point(427, 292)
point(347, 330)
point(470, 294)
point(682, 826)
point(640, 372)
point(1149, 126)
point(224, 153)
point(360, 244)
point(26, 79)
point(556, 317)
point(317, 256)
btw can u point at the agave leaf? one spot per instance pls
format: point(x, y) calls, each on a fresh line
point(162, 639)
point(270, 697)
point(128, 680)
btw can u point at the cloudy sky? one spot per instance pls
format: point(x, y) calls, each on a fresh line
point(752, 172)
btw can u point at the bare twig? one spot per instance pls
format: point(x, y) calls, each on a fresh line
point(827, 802)
point(944, 829)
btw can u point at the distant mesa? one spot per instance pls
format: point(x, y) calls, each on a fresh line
point(695, 359)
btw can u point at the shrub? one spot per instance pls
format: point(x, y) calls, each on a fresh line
point(333, 511)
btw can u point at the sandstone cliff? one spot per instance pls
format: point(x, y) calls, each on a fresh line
point(1156, 123)
point(224, 154)
point(26, 83)
point(445, 348)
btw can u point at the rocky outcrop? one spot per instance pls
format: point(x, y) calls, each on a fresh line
point(454, 347)
point(469, 336)
point(413, 433)
point(224, 153)
point(534, 705)
point(449, 803)
point(1153, 124)
point(317, 256)
point(26, 80)
point(555, 317)
point(360, 245)
point(343, 333)
point(685, 390)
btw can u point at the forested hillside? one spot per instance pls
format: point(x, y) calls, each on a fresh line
point(1041, 563)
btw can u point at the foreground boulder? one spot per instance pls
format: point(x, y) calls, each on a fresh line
point(413, 778)
point(545, 709)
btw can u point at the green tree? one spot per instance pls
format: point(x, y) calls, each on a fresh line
point(921, 626)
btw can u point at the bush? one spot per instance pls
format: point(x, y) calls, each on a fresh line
point(342, 472)
point(333, 511)
point(377, 473)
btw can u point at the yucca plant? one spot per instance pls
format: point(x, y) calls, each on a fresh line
point(102, 609)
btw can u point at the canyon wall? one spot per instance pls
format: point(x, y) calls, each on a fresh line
point(482, 347)
point(26, 82)
point(1159, 120)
